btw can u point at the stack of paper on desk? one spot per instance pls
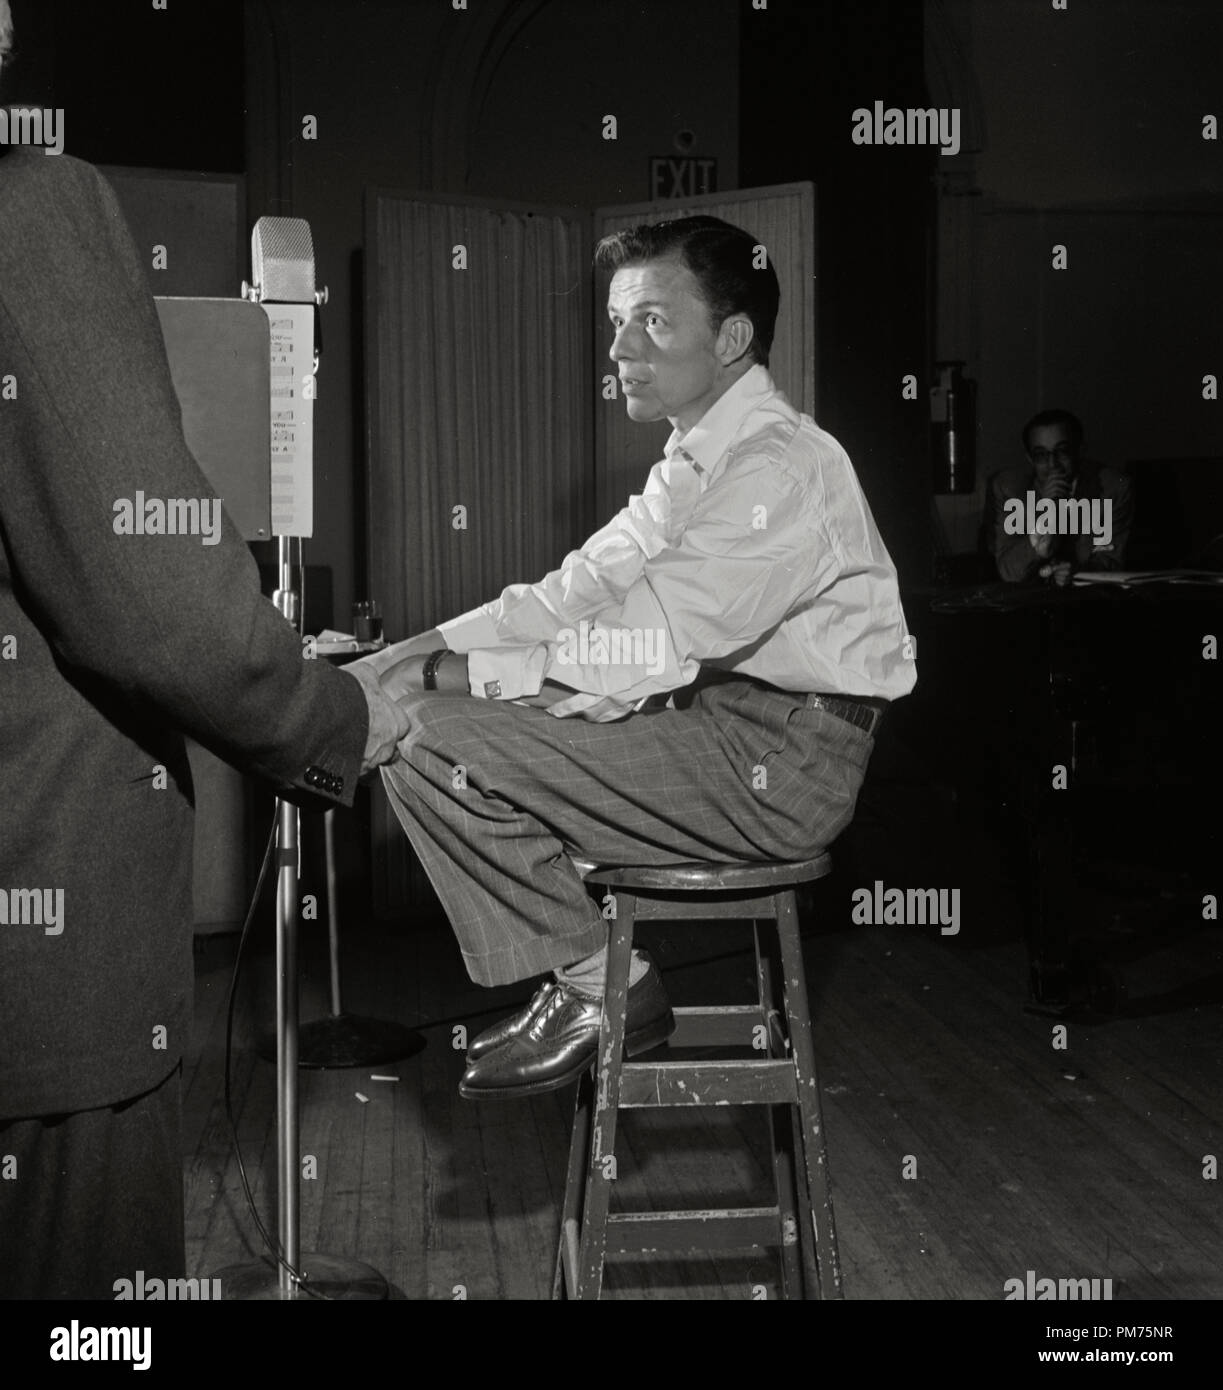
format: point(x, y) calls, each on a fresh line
point(1148, 577)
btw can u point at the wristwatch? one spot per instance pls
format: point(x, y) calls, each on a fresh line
point(428, 672)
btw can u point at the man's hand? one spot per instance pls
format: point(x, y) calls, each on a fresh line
point(405, 680)
point(550, 693)
point(388, 722)
point(406, 677)
point(568, 704)
point(1056, 486)
point(381, 662)
point(1058, 574)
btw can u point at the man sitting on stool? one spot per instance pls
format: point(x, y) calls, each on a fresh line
point(748, 583)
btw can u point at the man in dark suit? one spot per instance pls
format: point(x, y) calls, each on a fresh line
point(112, 647)
point(1056, 476)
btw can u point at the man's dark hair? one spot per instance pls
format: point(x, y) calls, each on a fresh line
point(1054, 417)
point(734, 275)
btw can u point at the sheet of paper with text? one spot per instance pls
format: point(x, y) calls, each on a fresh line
point(293, 388)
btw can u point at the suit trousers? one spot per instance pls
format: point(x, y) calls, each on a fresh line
point(495, 797)
point(96, 1197)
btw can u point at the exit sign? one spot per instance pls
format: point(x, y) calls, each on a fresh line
point(682, 176)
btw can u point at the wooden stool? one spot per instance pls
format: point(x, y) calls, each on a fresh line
point(800, 1222)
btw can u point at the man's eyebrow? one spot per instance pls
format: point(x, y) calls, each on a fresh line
point(645, 304)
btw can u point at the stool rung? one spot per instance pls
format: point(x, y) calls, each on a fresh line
point(732, 1025)
point(738, 908)
point(645, 1084)
point(731, 1228)
point(745, 1054)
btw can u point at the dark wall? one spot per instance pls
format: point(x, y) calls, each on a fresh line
point(1088, 134)
point(503, 101)
point(225, 85)
point(538, 130)
point(138, 86)
point(804, 69)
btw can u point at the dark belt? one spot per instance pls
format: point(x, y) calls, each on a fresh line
point(862, 712)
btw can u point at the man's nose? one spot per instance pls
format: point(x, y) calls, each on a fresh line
point(623, 345)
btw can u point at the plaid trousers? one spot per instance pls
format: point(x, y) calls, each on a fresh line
point(494, 797)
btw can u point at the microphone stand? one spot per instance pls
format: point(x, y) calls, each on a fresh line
point(292, 1275)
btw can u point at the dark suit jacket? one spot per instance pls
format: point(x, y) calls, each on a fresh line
point(119, 644)
point(1016, 560)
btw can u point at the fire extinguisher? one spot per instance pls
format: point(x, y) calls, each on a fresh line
point(953, 429)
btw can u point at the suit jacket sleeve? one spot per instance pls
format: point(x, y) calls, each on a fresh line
point(1116, 488)
point(89, 419)
point(1013, 554)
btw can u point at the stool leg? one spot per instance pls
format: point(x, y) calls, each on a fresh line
point(564, 1281)
point(790, 1127)
point(781, 1142)
point(814, 1149)
point(601, 1172)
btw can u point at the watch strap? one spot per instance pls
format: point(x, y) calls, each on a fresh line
point(428, 671)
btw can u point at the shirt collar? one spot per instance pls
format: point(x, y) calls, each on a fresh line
point(708, 441)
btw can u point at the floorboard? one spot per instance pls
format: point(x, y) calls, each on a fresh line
point(1077, 1162)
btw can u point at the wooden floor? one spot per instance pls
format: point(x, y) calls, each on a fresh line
point(1078, 1163)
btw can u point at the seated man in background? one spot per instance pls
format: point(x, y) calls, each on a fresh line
point(702, 679)
point(1055, 471)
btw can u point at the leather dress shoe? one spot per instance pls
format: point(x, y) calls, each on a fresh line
point(560, 1041)
point(509, 1027)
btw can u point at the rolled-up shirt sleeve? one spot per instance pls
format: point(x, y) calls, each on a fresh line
point(509, 641)
point(751, 549)
point(470, 630)
point(716, 574)
point(728, 581)
point(600, 573)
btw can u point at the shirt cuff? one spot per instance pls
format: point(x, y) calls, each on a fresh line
point(597, 709)
point(469, 631)
point(506, 673)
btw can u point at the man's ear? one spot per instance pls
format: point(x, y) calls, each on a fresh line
point(734, 338)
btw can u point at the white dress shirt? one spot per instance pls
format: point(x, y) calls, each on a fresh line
point(750, 549)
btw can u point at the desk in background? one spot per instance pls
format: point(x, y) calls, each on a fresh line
point(1114, 685)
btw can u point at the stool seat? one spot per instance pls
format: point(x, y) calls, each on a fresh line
point(707, 878)
point(756, 1055)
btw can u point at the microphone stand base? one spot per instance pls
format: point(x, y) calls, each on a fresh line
point(348, 1040)
point(325, 1277)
